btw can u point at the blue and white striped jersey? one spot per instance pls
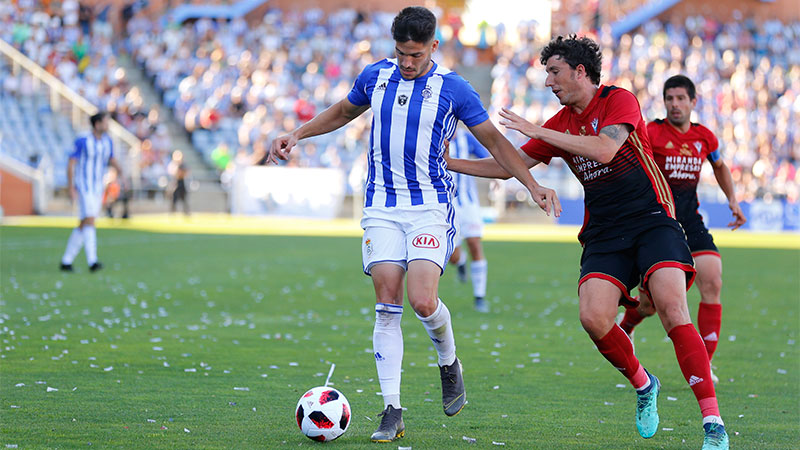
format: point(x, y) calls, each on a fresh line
point(465, 146)
point(411, 120)
point(92, 157)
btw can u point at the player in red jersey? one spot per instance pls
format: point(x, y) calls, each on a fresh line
point(680, 147)
point(630, 235)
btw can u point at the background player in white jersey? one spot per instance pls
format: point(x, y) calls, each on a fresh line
point(408, 215)
point(470, 222)
point(87, 166)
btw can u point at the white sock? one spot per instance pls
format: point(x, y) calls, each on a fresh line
point(713, 419)
point(462, 257)
point(74, 245)
point(440, 329)
point(387, 345)
point(90, 243)
point(478, 271)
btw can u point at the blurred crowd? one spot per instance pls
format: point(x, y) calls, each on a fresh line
point(236, 85)
point(75, 43)
point(747, 75)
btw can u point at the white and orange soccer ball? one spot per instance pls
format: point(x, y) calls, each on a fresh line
point(323, 413)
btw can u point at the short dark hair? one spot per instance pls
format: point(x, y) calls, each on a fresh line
point(97, 118)
point(677, 81)
point(414, 23)
point(576, 51)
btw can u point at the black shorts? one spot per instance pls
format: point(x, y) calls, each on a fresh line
point(627, 261)
point(699, 238)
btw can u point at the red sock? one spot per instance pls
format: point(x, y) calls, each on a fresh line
point(694, 364)
point(709, 320)
point(630, 320)
point(618, 350)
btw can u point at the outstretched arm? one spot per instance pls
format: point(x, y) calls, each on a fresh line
point(509, 160)
point(725, 181)
point(601, 148)
point(331, 119)
point(485, 167)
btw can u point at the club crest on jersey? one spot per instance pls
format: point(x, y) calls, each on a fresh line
point(699, 146)
point(583, 130)
point(402, 100)
point(594, 124)
point(427, 93)
point(425, 240)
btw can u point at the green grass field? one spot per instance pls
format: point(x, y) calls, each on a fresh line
point(147, 353)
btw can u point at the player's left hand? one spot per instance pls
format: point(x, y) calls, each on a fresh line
point(513, 121)
point(547, 199)
point(738, 216)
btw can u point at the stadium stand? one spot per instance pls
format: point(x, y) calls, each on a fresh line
point(234, 84)
point(81, 54)
point(748, 76)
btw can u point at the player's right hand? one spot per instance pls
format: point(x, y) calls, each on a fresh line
point(280, 148)
point(547, 199)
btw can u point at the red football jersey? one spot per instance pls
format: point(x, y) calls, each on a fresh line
point(680, 157)
point(620, 194)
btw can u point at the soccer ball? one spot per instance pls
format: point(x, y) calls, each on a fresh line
point(323, 414)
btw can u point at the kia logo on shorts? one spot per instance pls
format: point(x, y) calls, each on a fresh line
point(426, 241)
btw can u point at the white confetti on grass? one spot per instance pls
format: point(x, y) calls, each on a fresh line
point(672, 399)
point(186, 430)
point(782, 371)
point(498, 443)
point(469, 439)
point(241, 388)
point(51, 389)
point(621, 386)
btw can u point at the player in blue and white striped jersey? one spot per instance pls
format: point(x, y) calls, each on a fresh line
point(408, 217)
point(468, 213)
point(86, 169)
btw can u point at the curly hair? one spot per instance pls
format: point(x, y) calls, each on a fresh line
point(576, 51)
point(414, 23)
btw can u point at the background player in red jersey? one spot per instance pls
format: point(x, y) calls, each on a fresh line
point(679, 148)
point(630, 234)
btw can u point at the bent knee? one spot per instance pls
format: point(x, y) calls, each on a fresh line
point(710, 288)
point(597, 327)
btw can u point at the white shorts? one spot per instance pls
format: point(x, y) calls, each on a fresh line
point(402, 234)
point(470, 221)
point(89, 204)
